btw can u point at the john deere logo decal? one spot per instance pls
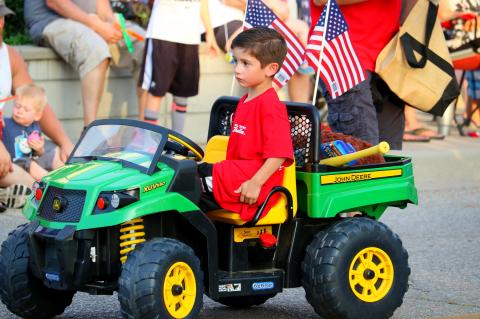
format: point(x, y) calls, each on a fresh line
point(58, 204)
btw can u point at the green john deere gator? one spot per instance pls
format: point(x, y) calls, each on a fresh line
point(122, 216)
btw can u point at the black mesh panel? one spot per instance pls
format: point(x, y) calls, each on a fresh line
point(75, 199)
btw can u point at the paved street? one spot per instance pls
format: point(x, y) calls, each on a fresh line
point(442, 236)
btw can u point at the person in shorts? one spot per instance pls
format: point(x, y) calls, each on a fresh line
point(86, 34)
point(22, 135)
point(171, 61)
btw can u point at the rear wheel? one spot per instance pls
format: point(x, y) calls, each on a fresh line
point(161, 278)
point(22, 293)
point(243, 302)
point(357, 268)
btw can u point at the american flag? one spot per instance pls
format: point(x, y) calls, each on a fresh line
point(259, 15)
point(340, 68)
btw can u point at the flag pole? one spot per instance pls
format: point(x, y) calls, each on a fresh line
point(321, 53)
point(232, 87)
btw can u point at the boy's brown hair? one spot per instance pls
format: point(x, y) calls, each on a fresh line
point(34, 92)
point(265, 44)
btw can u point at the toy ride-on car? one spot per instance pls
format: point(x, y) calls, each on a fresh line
point(122, 215)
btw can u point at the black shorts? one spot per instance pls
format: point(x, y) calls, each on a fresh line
point(170, 67)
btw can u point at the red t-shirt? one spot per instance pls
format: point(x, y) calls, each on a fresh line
point(371, 25)
point(260, 130)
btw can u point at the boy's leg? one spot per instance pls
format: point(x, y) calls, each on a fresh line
point(207, 202)
point(50, 159)
point(17, 176)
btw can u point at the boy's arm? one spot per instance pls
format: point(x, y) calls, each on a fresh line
point(250, 189)
point(209, 35)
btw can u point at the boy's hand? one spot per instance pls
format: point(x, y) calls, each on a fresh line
point(249, 191)
point(213, 49)
point(38, 146)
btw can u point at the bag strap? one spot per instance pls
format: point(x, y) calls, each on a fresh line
point(407, 45)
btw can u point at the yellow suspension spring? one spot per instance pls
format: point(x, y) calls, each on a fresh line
point(132, 233)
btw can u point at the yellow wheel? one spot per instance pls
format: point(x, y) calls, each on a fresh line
point(356, 268)
point(179, 290)
point(161, 278)
point(371, 274)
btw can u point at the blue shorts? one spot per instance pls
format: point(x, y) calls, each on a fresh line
point(473, 80)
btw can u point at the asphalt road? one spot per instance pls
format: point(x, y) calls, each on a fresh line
point(442, 236)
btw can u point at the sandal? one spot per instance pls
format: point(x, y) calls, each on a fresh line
point(14, 196)
point(407, 137)
point(425, 132)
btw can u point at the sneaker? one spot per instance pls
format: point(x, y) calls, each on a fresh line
point(2, 207)
point(14, 196)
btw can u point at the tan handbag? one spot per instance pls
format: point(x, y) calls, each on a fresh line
point(416, 64)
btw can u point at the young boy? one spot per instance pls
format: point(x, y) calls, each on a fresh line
point(171, 62)
point(260, 145)
point(22, 135)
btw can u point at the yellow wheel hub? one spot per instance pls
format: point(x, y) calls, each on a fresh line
point(179, 290)
point(371, 274)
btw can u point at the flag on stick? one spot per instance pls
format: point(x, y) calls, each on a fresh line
point(259, 15)
point(330, 52)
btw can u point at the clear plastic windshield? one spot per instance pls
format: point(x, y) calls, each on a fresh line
point(128, 143)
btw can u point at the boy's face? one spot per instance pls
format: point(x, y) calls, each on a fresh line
point(25, 111)
point(249, 71)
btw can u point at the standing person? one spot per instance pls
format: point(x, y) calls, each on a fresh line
point(260, 145)
point(80, 31)
point(171, 63)
point(14, 74)
point(372, 24)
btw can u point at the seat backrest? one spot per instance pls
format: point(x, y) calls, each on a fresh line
point(304, 127)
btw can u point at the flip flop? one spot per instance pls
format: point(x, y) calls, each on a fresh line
point(407, 137)
point(14, 196)
point(425, 132)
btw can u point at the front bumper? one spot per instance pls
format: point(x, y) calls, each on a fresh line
point(62, 258)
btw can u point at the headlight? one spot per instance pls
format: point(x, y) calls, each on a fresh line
point(38, 188)
point(112, 200)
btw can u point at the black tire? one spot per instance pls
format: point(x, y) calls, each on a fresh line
point(243, 302)
point(22, 293)
point(144, 274)
point(334, 271)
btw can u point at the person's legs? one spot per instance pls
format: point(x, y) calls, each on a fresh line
point(92, 89)
point(179, 112)
point(415, 128)
point(15, 186)
point(354, 113)
point(87, 53)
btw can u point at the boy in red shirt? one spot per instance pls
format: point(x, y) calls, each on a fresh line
point(260, 145)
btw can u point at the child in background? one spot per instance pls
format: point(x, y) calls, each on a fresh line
point(171, 62)
point(260, 145)
point(22, 135)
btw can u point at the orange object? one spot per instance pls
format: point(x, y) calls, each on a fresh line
point(131, 33)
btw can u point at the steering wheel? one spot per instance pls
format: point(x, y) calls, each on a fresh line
point(182, 145)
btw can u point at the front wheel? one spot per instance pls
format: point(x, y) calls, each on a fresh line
point(161, 278)
point(21, 292)
point(357, 268)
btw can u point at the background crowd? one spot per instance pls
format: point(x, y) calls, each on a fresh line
point(87, 35)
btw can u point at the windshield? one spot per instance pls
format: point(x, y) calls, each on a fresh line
point(120, 142)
